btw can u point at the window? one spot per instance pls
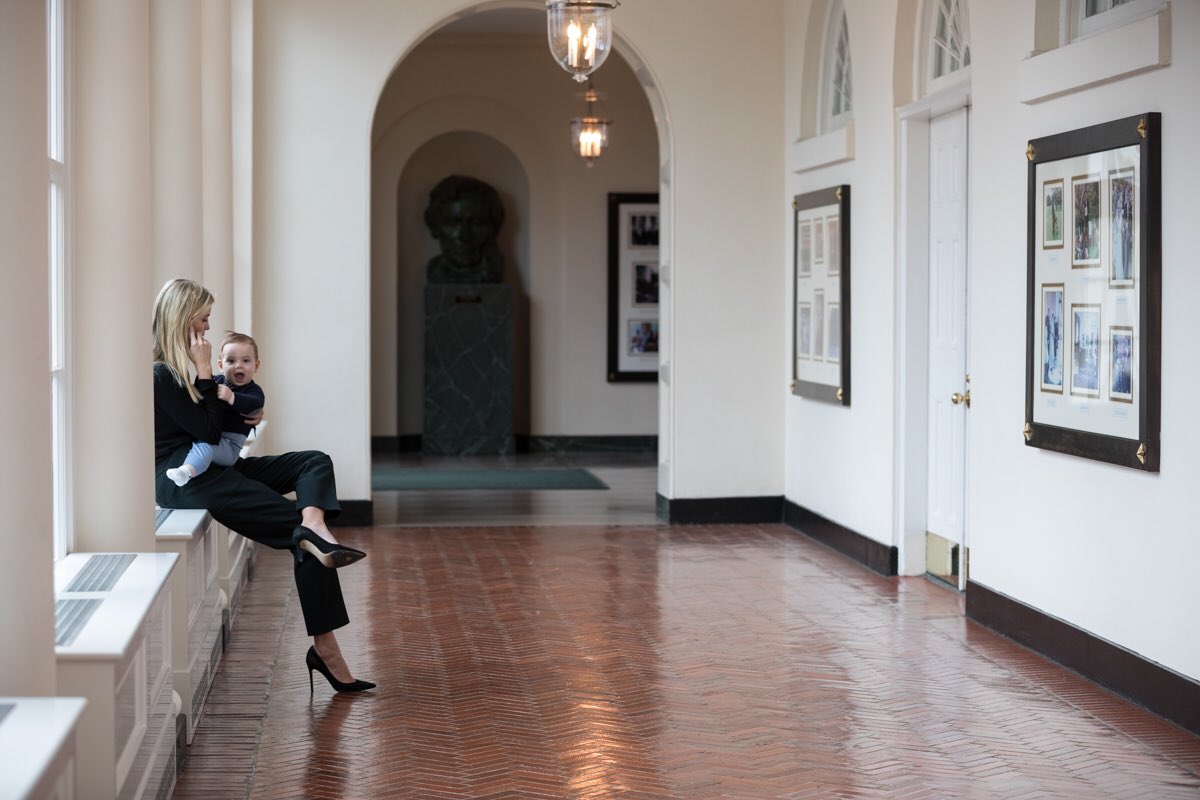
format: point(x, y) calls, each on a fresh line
point(950, 41)
point(837, 84)
point(57, 13)
point(1093, 16)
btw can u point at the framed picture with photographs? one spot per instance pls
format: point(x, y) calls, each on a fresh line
point(1094, 292)
point(821, 295)
point(633, 287)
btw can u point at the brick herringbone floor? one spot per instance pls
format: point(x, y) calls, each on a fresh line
point(656, 662)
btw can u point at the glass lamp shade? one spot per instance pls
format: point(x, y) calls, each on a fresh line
point(589, 138)
point(580, 34)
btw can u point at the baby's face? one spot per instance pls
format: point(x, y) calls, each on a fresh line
point(238, 363)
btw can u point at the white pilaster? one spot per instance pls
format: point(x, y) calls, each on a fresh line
point(27, 592)
point(113, 278)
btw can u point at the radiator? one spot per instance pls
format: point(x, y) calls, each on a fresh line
point(112, 646)
point(196, 612)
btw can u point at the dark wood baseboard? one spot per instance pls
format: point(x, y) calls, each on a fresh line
point(411, 443)
point(408, 443)
point(586, 444)
point(882, 558)
point(719, 510)
point(1153, 686)
point(355, 514)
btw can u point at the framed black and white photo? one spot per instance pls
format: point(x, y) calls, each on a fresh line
point(804, 330)
point(633, 287)
point(1052, 214)
point(821, 295)
point(1085, 349)
point(804, 248)
point(833, 337)
point(1085, 211)
point(1122, 229)
point(1094, 292)
point(645, 284)
point(1120, 351)
point(833, 259)
point(1053, 328)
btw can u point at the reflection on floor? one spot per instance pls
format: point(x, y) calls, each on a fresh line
point(655, 663)
point(629, 499)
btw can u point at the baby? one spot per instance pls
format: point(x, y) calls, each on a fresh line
point(236, 386)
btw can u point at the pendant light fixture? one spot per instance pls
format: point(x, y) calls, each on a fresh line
point(589, 133)
point(580, 34)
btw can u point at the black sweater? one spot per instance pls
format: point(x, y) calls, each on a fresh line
point(179, 421)
point(247, 399)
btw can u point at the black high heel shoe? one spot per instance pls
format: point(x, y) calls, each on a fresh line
point(314, 661)
point(329, 554)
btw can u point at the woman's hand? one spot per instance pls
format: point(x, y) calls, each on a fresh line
point(252, 419)
point(200, 351)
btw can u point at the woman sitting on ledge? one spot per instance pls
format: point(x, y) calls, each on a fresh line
point(248, 496)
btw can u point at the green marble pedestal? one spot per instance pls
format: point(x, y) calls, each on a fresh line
point(468, 369)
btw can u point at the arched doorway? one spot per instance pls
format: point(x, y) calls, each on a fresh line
point(481, 95)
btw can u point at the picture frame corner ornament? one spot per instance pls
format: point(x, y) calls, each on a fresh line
point(1029, 152)
point(1141, 452)
point(840, 394)
point(1141, 127)
point(838, 194)
point(1028, 431)
point(795, 205)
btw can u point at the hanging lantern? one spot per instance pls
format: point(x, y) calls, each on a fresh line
point(589, 133)
point(580, 34)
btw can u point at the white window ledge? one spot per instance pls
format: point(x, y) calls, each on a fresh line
point(823, 150)
point(183, 524)
point(113, 627)
point(37, 738)
point(1139, 46)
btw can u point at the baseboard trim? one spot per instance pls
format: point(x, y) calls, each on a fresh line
point(586, 444)
point(879, 557)
point(1153, 686)
point(408, 443)
point(411, 443)
point(719, 510)
point(355, 514)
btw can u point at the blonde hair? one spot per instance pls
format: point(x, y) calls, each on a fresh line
point(178, 303)
point(233, 337)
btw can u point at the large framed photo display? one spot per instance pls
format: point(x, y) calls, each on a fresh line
point(1094, 298)
point(821, 295)
point(633, 287)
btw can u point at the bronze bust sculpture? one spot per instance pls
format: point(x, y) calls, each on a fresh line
point(464, 215)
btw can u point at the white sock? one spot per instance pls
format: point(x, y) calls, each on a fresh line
point(181, 474)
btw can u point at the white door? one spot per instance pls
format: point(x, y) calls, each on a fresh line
point(948, 381)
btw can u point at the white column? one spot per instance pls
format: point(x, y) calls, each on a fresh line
point(113, 278)
point(176, 137)
point(217, 148)
point(27, 590)
point(242, 105)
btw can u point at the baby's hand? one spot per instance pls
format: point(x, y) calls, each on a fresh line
point(224, 393)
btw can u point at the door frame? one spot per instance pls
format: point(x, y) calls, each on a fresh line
point(911, 449)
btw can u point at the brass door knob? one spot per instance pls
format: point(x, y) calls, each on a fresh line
point(957, 398)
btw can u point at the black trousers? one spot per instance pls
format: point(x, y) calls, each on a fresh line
point(248, 498)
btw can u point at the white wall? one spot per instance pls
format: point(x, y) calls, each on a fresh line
point(839, 459)
point(1108, 549)
point(319, 71)
point(511, 92)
